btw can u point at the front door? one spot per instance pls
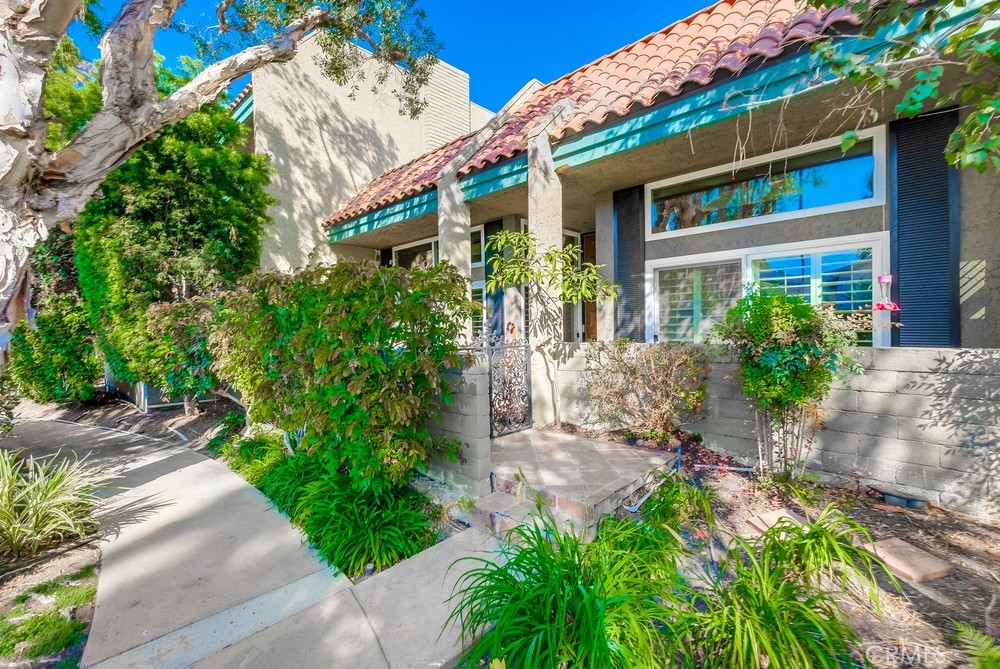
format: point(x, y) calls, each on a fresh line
point(589, 243)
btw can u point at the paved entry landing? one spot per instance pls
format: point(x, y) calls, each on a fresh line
point(581, 478)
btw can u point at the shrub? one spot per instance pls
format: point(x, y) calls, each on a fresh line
point(982, 650)
point(825, 552)
point(789, 352)
point(285, 483)
point(355, 352)
point(762, 617)
point(681, 501)
point(44, 501)
point(557, 601)
point(8, 403)
point(352, 528)
point(253, 457)
point(646, 387)
point(232, 423)
point(179, 356)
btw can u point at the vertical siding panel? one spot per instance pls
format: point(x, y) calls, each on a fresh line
point(924, 215)
point(629, 263)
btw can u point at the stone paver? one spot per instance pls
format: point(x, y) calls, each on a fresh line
point(906, 560)
point(765, 521)
point(200, 570)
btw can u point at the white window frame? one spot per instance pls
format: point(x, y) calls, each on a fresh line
point(482, 246)
point(480, 285)
point(432, 240)
point(877, 135)
point(877, 241)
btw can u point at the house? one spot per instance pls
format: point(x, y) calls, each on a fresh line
point(704, 156)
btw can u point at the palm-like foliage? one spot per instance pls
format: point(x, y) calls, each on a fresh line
point(982, 650)
point(555, 601)
point(44, 500)
point(762, 617)
point(824, 552)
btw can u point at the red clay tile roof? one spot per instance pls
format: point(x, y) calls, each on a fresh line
point(241, 96)
point(723, 37)
point(415, 177)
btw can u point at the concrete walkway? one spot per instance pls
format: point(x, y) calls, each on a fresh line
point(199, 570)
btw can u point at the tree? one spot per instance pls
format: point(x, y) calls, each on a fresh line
point(43, 187)
point(948, 36)
point(518, 260)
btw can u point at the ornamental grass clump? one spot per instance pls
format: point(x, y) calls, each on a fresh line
point(789, 353)
point(44, 501)
point(681, 501)
point(556, 601)
point(253, 457)
point(285, 484)
point(352, 528)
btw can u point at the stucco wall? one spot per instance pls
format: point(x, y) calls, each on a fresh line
point(467, 419)
point(326, 146)
point(979, 258)
point(924, 421)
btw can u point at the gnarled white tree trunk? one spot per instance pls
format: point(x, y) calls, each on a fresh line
point(41, 189)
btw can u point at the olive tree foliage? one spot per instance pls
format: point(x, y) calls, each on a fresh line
point(948, 55)
point(42, 187)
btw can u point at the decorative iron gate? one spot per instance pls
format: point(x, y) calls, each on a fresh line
point(510, 386)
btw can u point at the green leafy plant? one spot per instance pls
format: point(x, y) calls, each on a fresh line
point(358, 353)
point(680, 500)
point(789, 353)
point(232, 423)
point(762, 616)
point(825, 553)
point(47, 633)
point(287, 481)
point(43, 501)
point(947, 57)
point(180, 356)
point(352, 528)
point(8, 403)
point(646, 387)
point(982, 650)
point(556, 601)
point(253, 457)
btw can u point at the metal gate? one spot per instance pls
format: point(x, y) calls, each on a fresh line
point(510, 386)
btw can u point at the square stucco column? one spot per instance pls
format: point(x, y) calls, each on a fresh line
point(546, 224)
point(604, 223)
point(454, 230)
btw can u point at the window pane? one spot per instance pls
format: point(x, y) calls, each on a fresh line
point(802, 182)
point(477, 246)
point(421, 255)
point(478, 314)
point(840, 278)
point(693, 299)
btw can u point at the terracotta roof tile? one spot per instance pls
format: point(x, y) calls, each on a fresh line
point(725, 36)
point(415, 177)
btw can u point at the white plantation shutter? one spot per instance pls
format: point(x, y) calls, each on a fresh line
point(693, 299)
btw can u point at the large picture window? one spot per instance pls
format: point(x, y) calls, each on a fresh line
point(690, 297)
point(818, 178)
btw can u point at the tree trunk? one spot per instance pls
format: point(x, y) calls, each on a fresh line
point(191, 405)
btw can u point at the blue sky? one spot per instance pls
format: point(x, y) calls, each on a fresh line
point(501, 43)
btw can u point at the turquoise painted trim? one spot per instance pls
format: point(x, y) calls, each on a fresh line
point(507, 175)
point(245, 110)
point(418, 205)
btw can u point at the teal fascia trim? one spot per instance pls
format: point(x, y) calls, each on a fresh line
point(245, 110)
point(418, 205)
point(501, 177)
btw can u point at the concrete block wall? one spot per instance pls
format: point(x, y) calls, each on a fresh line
point(921, 421)
point(467, 419)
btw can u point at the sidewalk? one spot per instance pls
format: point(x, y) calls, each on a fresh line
point(200, 571)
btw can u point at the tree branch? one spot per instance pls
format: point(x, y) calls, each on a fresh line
point(128, 73)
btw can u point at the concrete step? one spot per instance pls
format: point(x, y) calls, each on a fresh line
point(498, 513)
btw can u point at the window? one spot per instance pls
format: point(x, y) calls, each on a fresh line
point(478, 316)
point(818, 178)
point(689, 295)
point(477, 247)
point(693, 299)
point(419, 254)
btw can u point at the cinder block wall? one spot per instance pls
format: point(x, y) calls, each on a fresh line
point(467, 419)
point(923, 421)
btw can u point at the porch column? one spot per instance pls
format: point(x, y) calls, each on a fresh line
point(454, 229)
point(604, 219)
point(513, 301)
point(545, 221)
